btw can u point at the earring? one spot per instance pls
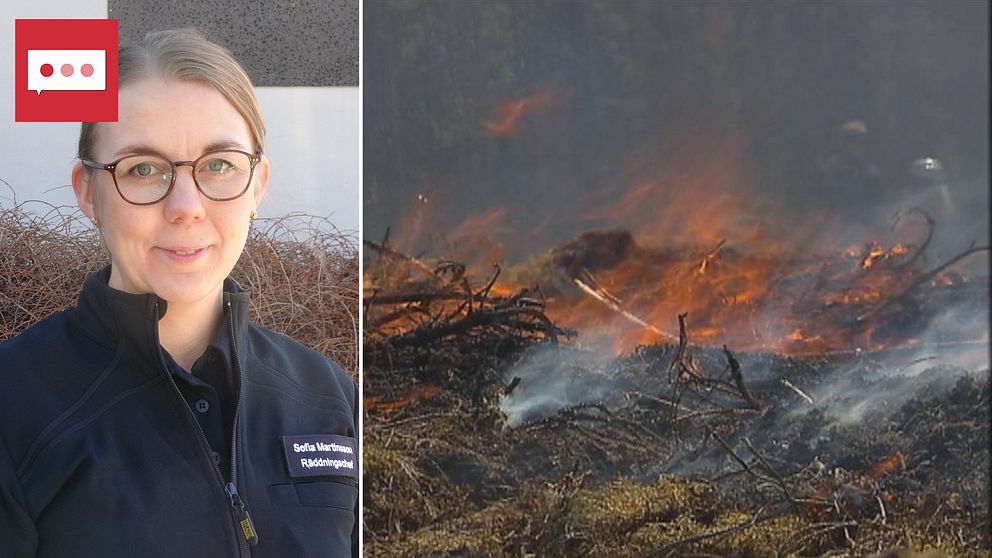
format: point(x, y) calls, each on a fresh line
point(95, 221)
point(253, 215)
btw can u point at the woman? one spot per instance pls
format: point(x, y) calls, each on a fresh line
point(152, 419)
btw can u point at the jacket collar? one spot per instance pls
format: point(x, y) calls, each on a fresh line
point(116, 316)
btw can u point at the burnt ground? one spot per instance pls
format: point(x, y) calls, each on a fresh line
point(487, 433)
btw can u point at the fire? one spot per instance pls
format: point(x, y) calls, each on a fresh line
point(691, 235)
point(618, 294)
point(418, 394)
point(506, 116)
point(475, 240)
point(846, 488)
point(702, 196)
point(886, 466)
point(781, 302)
point(875, 253)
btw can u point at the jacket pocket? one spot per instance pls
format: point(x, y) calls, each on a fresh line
point(329, 492)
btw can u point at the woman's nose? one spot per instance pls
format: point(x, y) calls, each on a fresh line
point(184, 202)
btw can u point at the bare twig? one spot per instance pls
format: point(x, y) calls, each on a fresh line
point(386, 250)
point(614, 303)
point(771, 470)
point(931, 225)
point(680, 351)
point(798, 391)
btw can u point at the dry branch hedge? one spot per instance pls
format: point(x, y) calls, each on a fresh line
point(301, 271)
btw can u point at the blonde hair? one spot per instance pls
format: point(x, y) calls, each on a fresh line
point(185, 55)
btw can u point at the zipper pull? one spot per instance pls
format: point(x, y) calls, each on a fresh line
point(243, 518)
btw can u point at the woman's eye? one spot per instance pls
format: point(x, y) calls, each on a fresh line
point(146, 169)
point(218, 165)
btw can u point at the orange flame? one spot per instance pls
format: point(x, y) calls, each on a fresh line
point(418, 394)
point(701, 241)
point(848, 483)
point(474, 240)
point(886, 466)
point(506, 116)
point(876, 253)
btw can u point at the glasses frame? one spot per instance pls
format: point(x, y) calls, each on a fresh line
point(112, 169)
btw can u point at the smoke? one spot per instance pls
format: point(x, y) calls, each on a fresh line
point(873, 387)
point(867, 391)
point(860, 387)
point(812, 409)
point(554, 378)
point(819, 122)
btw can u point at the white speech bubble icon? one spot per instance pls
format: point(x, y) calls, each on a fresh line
point(67, 70)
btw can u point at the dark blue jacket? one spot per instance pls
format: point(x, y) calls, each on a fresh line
point(101, 456)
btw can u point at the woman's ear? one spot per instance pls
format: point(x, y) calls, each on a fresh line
point(261, 179)
point(85, 193)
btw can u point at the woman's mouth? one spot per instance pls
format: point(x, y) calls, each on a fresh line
point(184, 254)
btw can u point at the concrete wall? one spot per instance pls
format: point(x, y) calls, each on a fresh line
point(310, 101)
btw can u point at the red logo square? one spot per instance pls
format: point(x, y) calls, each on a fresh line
point(65, 70)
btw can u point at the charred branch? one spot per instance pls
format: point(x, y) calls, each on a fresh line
point(481, 318)
point(735, 373)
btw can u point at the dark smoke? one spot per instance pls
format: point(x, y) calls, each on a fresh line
point(838, 106)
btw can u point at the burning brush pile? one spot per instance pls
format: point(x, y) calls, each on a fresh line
point(606, 398)
point(301, 271)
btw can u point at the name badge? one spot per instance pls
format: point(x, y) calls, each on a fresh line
point(320, 455)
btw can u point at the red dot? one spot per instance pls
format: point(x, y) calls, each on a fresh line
point(47, 70)
point(67, 70)
point(86, 70)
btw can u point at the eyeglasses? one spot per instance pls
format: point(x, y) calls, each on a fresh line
point(147, 179)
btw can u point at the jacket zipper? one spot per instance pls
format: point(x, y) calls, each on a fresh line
point(230, 489)
point(244, 519)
